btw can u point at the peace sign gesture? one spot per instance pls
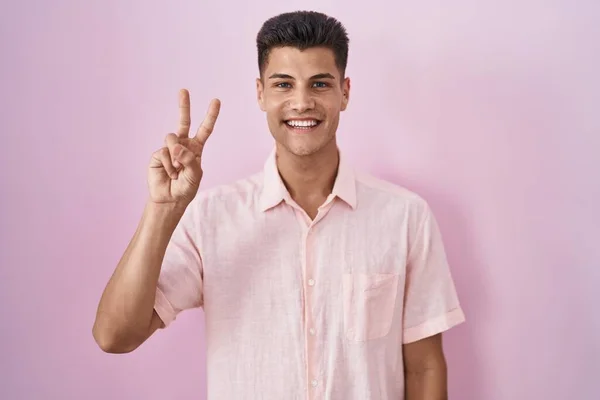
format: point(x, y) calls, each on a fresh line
point(175, 170)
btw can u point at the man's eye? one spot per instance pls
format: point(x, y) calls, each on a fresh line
point(283, 85)
point(320, 84)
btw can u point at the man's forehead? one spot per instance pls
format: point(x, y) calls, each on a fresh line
point(307, 61)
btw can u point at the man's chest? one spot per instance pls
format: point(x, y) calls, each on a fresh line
point(283, 266)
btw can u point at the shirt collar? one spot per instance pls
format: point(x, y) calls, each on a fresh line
point(274, 191)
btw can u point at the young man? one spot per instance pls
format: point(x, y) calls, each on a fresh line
point(317, 282)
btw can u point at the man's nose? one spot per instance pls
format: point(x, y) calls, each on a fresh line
point(302, 101)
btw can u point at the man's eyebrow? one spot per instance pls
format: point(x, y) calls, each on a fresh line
point(281, 76)
point(317, 76)
point(323, 76)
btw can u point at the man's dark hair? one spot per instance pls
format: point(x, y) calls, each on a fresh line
point(303, 30)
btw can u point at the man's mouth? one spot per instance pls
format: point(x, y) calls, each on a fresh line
point(302, 124)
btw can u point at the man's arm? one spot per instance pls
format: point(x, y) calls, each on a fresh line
point(126, 316)
point(425, 369)
point(431, 307)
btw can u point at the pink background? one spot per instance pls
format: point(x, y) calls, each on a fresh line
point(489, 110)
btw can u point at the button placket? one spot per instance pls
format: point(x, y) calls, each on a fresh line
point(312, 342)
point(311, 276)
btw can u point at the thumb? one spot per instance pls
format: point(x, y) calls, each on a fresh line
point(187, 158)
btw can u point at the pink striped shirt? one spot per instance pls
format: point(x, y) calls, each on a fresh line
point(300, 309)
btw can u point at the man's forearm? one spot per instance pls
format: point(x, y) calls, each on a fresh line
point(429, 384)
point(126, 307)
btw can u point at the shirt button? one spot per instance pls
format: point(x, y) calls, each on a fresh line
point(312, 331)
point(311, 282)
point(314, 383)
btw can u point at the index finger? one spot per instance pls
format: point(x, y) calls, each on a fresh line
point(185, 120)
point(208, 124)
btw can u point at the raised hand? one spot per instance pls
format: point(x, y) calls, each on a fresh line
point(175, 170)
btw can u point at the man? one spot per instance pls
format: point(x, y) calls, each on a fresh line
point(317, 282)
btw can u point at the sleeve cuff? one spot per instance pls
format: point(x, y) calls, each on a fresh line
point(434, 326)
point(163, 308)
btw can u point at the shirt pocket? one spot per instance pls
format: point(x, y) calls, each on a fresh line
point(369, 304)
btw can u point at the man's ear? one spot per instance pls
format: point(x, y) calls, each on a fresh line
point(345, 93)
point(260, 93)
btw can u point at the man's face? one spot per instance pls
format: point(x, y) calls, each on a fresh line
point(302, 94)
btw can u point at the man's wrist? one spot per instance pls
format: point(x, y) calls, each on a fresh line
point(164, 214)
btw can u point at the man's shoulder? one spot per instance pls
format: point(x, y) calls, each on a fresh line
point(376, 187)
point(237, 191)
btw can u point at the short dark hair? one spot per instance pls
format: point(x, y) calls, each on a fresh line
point(302, 30)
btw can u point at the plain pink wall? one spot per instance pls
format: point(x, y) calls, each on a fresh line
point(489, 111)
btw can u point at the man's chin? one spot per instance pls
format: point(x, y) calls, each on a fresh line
point(304, 149)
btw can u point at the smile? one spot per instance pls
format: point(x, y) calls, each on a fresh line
point(302, 124)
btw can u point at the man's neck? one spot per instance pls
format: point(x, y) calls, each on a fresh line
point(309, 179)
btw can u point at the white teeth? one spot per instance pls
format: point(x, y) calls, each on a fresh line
point(302, 124)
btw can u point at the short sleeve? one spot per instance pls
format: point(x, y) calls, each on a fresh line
point(180, 281)
point(431, 303)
